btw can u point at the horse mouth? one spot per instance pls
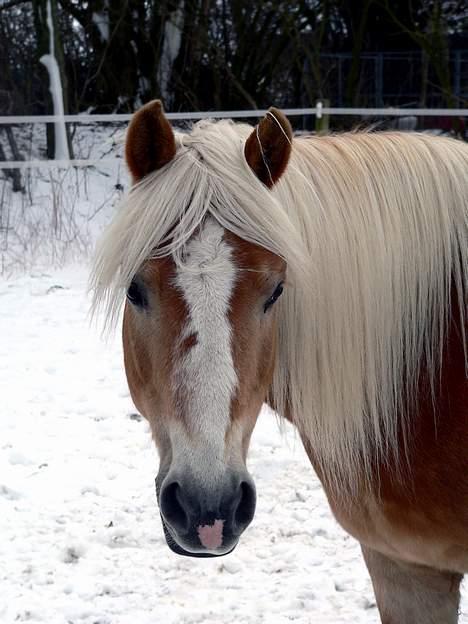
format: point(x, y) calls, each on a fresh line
point(178, 550)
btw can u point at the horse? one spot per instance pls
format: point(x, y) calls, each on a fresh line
point(327, 276)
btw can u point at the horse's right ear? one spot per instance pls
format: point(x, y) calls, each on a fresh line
point(150, 142)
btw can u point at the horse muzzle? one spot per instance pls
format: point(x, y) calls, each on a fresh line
point(205, 524)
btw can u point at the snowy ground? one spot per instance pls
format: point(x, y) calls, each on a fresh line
point(81, 537)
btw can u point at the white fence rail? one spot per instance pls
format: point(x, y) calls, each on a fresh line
point(324, 110)
point(317, 111)
point(49, 164)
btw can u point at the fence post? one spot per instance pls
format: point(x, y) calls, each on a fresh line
point(322, 122)
point(378, 79)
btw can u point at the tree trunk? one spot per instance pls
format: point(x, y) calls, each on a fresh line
point(354, 76)
point(43, 49)
point(14, 174)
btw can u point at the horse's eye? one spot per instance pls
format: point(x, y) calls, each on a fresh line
point(274, 297)
point(136, 295)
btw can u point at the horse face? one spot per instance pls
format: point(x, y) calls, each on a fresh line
point(199, 346)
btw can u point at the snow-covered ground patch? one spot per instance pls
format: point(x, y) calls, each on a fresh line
point(82, 541)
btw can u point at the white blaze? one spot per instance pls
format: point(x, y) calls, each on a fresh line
point(206, 374)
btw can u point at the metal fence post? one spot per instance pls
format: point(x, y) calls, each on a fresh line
point(378, 71)
point(322, 122)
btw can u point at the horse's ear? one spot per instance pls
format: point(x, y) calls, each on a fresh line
point(268, 148)
point(150, 142)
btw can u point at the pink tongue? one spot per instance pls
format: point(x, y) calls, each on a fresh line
point(211, 536)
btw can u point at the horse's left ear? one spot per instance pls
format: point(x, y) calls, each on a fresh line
point(268, 148)
point(150, 142)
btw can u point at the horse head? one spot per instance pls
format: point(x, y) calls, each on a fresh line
point(199, 338)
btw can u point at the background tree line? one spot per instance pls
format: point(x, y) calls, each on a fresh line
point(233, 54)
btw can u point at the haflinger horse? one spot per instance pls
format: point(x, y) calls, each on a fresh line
point(365, 236)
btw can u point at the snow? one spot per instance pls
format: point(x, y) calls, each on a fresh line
point(64, 209)
point(55, 87)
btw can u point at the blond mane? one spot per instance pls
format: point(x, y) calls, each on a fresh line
point(374, 228)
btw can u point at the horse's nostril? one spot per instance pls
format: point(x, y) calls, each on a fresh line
point(246, 507)
point(172, 507)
